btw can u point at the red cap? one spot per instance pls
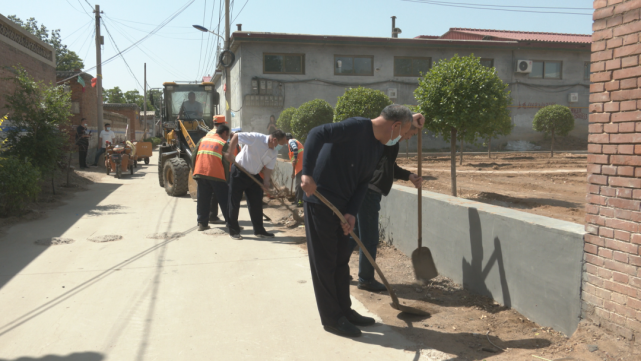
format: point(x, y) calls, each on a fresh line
point(219, 119)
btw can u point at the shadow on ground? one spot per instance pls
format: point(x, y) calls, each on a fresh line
point(78, 356)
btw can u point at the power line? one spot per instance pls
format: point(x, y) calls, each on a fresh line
point(485, 7)
point(83, 8)
point(123, 58)
point(509, 6)
point(241, 10)
point(200, 56)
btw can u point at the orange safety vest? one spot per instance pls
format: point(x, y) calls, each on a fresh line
point(299, 157)
point(209, 159)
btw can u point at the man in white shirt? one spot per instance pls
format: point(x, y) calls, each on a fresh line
point(258, 154)
point(106, 135)
point(191, 109)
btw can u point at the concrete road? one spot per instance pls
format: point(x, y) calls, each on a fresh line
point(196, 297)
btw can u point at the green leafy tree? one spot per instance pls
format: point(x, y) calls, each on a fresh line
point(309, 115)
point(19, 183)
point(113, 95)
point(284, 121)
point(554, 120)
point(134, 97)
point(39, 115)
point(360, 102)
point(501, 126)
point(66, 60)
point(460, 95)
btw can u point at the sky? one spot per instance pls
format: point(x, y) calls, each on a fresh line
point(179, 52)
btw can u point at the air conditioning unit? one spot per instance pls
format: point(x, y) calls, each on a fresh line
point(573, 98)
point(392, 93)
point(524, 66)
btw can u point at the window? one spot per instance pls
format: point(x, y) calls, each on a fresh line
point(353, 65)
point(408, 66)
point(283, 63)
point(75, 107)
point(487, 62)
point(586, 70)
point(546, 70)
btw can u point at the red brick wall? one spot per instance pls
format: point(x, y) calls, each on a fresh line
point(87, 101)
point(37, 69)
point(612, 277)
point(130, 112)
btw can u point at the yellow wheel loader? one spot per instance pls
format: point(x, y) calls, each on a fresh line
point(187, 117)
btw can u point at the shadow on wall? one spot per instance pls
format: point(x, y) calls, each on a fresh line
point(474, 274)
point(80, 356)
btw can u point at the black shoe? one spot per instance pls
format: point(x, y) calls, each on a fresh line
point(359, 320)
point(264, 235)
point(343, 328)
point(216, 220)
point(241, 227)
point(202, 227)
point(372, 286)
point(235, 236)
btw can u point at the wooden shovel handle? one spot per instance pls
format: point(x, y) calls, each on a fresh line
point(360, 244)
point(420, 189)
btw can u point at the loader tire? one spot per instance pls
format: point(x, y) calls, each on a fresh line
point(176, 172)
point(161, 174)
point(146, 160)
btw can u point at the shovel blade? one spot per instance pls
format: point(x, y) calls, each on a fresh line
point(424, 266)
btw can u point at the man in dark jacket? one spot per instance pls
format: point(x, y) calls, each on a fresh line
point(82, 141)
point(339, 161)
point(367, 219)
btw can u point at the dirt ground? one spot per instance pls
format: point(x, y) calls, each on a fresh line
point(530, 182)
point(460, 320)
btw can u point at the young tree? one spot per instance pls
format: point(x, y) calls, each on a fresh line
point(284, 121)
point(554, 120)
point(39, 115)
point(134, 97)
point(501, 126)
point(113, 96)
point(309, 115)
point(66, 60)
point(360, 102)
point(460, 94)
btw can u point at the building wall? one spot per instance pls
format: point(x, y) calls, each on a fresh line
point(612, 271)
point(132, 112)
point(529, 94)
point(86, 100)
point(18, 47)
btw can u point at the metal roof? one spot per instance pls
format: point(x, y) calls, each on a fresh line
point(490, 34)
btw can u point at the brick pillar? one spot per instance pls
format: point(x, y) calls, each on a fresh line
point(612, 272)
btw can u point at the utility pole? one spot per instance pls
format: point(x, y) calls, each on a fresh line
point(144, 102)
point(227, 70)
point(99, 42)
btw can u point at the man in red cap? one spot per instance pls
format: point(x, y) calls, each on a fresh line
point(213, 207)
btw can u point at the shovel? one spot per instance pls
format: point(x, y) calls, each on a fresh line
point(424, 267)
point(395, 304)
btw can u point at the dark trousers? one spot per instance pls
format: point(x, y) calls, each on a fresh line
point(367, 230)
point(82, 157)
point(213, 206)
point(239, 182)
point(329, 252)
point(299, 190)
point(207, 187)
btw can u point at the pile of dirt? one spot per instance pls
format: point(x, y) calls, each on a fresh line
point(105, 238)
point(467, 326)
point(54, 241)
point(166, 235)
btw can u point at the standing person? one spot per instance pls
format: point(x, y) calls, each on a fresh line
point(211, 171)
point(259, 153)
point(271, 127)
point(82, 141)
point(296, 151)
point(339, 161)
point(218, 120)
point(367, 219)
point(106, 135)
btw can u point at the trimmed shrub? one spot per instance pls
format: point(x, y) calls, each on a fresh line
point(310, 115)
point(360, 102)
point(554, 120)
point(19, 183)
point(284, 121)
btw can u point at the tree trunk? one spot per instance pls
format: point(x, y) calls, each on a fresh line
point(453, 160)
point(53, 186)
point(552, 146)
point(462, 143)
point(489, 148)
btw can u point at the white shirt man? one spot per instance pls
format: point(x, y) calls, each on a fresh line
point(255, 153)
point(107, 136)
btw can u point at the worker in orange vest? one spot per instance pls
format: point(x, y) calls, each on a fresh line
point(217, 121)
point(211, 171)
point(296, 150)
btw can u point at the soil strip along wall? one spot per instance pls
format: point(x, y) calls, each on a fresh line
point(528, 262)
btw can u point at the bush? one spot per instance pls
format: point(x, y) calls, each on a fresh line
point(19, 183)
point(310, 115)
point(154, 141)
point(360, 102)
point(554, 120)
point(284, 121)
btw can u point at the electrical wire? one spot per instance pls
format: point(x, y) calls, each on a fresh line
point(202, 36)
point(513, 6)
point(138, 22)
point(83, 8)
point(209, 41)
point(123, 58)
point(241, 10)
point(483, 7)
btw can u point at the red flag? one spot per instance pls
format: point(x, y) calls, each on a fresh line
point(93, 82)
